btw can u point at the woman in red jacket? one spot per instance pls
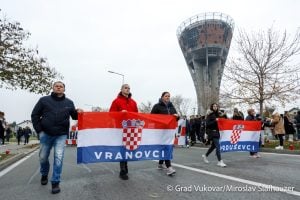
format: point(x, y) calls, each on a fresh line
point(124, 103)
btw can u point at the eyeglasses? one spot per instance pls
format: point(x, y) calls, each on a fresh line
point(127, 88)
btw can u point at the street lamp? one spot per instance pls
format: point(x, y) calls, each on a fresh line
point(118, 74)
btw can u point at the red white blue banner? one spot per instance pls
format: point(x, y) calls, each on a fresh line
point(238, 135)
point(180, 137)
point(124, 136)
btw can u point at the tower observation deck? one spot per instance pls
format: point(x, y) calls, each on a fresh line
point(205, 41)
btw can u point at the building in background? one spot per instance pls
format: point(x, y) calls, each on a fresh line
point(205, 41)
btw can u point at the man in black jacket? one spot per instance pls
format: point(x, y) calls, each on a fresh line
point(51, 120)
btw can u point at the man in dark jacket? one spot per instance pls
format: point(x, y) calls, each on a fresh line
point(51, 120)
point(124, 103)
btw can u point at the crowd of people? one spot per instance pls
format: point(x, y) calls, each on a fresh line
point(282, 126)
point(51, 120)
point(6, 132)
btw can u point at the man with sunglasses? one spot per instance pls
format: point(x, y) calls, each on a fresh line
point(124, 103)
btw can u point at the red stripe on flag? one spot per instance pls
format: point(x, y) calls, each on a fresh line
point(183, 131)
point(89, 120)
point(226, 124)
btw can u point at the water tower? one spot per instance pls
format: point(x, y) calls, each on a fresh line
point(205, 41)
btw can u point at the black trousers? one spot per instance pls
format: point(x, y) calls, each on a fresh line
point(2, 138)
point(19, 139)
point(215, 145)
point(123, 167)
point(168, 162)
point(280, 137)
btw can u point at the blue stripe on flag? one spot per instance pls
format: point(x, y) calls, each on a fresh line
point(226, 146)
point(94, 154)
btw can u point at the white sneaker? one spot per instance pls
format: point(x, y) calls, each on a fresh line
point(161, 166)
point(205, 159)
point(221, 163)
point(279, 147)
point(170, 171)
point(253, 156)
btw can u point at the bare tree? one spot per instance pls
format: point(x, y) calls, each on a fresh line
point(22, 67)
point(182, 105)
point(145, 107)
point(263, 72)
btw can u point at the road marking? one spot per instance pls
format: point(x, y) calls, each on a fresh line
point(35, 174)
point(86, 167)
point(261, 152)
point(11, 167)
point(261, 185)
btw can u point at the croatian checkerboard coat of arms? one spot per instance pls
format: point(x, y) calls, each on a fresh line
point(236, 133)
point(132, 133)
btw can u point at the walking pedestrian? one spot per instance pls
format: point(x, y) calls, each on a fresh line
point(51, 120)
point(8, 133)
point(213, 133)
point(27, 134)
point(20, 133)
point(124, 103)
point(164, 106)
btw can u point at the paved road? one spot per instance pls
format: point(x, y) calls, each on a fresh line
point(194, 179)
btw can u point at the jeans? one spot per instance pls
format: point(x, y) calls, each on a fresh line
point(46, 144)
point(215, 145)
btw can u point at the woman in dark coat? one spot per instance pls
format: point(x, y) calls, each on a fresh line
point(213, 133)
point(164, 106)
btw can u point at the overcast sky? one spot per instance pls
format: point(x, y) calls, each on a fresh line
point(83, 39)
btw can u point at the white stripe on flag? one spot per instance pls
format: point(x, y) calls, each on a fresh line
point(245, 135)
point(113, 137)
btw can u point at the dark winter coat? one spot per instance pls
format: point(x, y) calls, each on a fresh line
point(211, 121)
point(212, 125)
point(288, 126)
point(123, 103)
point(52, 114)
point(162, 108)
point(1, 129)
point(297, 119)
point(250, 118)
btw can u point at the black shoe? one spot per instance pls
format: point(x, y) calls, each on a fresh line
point(126, 169)
point(123, 175)
point(55, 188)
point(44, 180)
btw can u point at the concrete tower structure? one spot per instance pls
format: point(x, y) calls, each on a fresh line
point(205, 40)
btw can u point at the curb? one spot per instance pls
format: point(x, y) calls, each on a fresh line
point(5, 163)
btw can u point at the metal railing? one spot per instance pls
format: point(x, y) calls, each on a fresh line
point(203, 17)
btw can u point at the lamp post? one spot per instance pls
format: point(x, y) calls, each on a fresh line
point(118, 74)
